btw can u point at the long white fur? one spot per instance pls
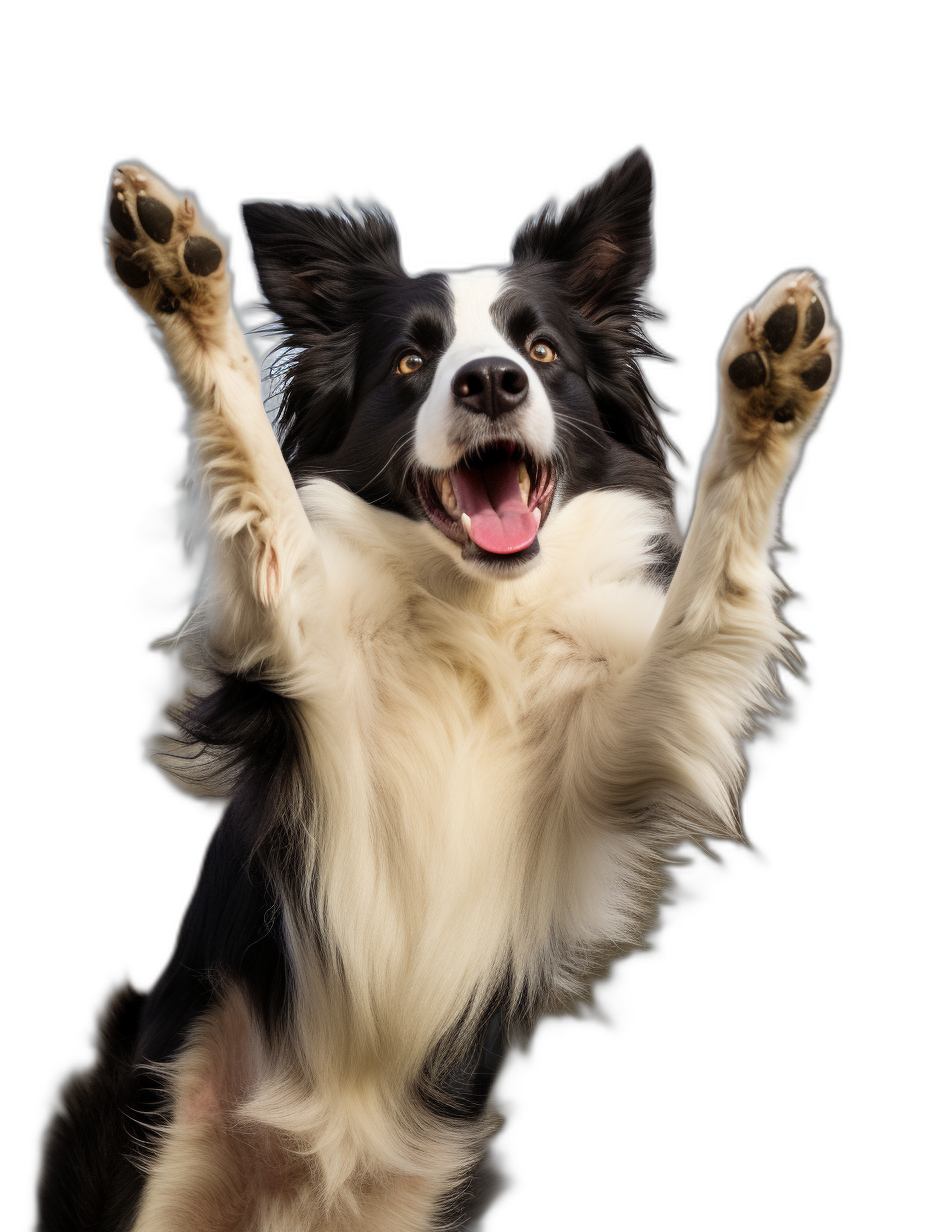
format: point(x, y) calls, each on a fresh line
point(499, 767)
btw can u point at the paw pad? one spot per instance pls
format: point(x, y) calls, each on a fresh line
point(780, 354)
point(134, 276)
point(156, 218)
point(748, 371)
point(158, 248)
point(780, 329)
point(818, 373)
point(121, 218)
point(168, 303)
point(201, 255)
point(815, 321)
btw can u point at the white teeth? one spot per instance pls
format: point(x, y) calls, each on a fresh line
point(525, 484)
point(465, 522)
point(536, 514)
point(448, 498)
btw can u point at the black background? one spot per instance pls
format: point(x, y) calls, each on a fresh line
point(736, 1076)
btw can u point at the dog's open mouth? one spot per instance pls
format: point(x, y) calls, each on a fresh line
point(496, 499)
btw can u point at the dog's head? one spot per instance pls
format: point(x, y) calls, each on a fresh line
point(475, 400)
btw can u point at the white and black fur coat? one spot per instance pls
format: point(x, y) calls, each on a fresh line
point(458, 752)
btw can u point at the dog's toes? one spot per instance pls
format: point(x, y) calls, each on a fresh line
point(815, 321)
point(817, 373)
point(202, 255)
point(159, 250)
point(780, 327)
point(132, 274)
point(779, 358)
point(747, 370)
point(156, 219)
point(122, 220)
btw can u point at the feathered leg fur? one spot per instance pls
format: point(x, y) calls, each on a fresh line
point(259, 534)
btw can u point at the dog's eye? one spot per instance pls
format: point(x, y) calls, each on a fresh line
point(409, 363)
point(542, 352)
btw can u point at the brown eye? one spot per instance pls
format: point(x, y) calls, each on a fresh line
point(542, 353)
point(409, 363)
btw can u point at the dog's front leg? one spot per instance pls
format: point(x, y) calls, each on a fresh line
point(708, 669)
point(261, 540)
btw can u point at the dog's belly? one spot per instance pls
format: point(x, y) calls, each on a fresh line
point(449, 755)
point(251, 1145)
point(453, 851)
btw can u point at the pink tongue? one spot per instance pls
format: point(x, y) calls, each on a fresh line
point(499, 520)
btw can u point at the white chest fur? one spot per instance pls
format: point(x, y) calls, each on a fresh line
point(447, 732)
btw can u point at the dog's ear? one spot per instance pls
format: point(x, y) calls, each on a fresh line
point(311, 262)
point(601, 245)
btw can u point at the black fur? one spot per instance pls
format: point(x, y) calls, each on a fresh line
point(577, 281)
point(348, 310)
point(90, 1178)
point(232, 926)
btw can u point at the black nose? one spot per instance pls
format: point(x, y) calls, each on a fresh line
point(490, 386)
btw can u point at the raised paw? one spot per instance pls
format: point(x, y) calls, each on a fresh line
point(779, 361)
point(161, 252)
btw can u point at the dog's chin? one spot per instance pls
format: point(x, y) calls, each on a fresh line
point(490, 564)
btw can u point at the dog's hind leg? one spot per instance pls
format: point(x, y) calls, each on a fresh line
point(260, 535)
point(687, 704)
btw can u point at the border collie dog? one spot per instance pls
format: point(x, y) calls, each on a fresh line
point(463, 688)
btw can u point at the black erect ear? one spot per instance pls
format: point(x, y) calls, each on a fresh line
point(311, 262)
point(601, 244)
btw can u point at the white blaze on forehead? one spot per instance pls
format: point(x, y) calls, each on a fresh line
point(474, 294)
point(440, 420)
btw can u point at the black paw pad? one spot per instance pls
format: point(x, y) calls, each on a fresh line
point(133, 275)
point(168, 303)
point(747, 370)
point(818, 373)
point(121, 218)
point(780, 329)
point(201, 255)
point(815, 321)
point(156, 218)
point(785, 413)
